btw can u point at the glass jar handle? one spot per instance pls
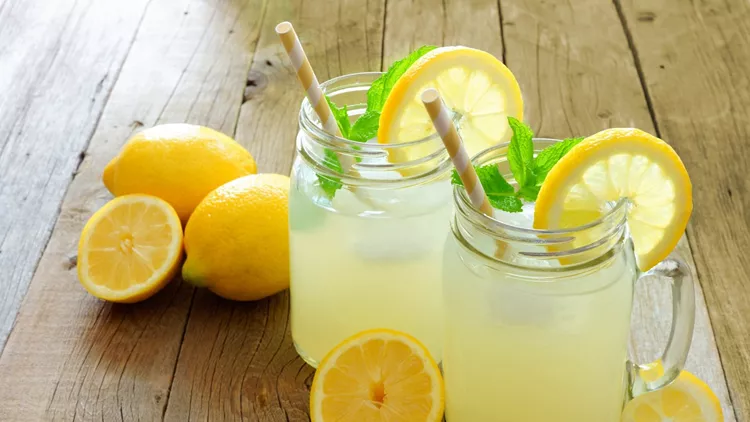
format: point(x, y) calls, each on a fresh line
point(659, 374)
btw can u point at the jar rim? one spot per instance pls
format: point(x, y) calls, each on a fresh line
point(600, 235)
point(307, 112)
point(461, 198)
point(435, 164)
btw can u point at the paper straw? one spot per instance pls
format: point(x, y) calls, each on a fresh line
point(447, 131)
point(444, 126)
point(307, 77)
point(312, 89)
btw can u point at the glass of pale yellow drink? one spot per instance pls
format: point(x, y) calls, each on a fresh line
point(367, 232)
point(536, 330)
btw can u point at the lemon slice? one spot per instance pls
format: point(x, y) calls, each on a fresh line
point(688, 399)
point(480, 90)
point(377, 375)
point(615, 164)
point(130, 248)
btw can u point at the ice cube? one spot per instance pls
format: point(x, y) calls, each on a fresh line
point(347, 203)
point(523, 219)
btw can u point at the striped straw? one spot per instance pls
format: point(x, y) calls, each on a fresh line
point(444, 126)
point(447, 131)
point(307, 77)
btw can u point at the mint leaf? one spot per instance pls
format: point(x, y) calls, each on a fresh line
point(521, 152)
point(381, 87)
point(499, 192)
point(549, 156)
point(330, 184)
point(529, 193)
point(456, 179)
point(493, 182)
point(366, 127)
point(506, 203)
point(341, 115)
point(528, 171)
point(490, 178)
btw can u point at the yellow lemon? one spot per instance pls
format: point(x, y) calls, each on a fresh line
point(377, 375)
point(475, 85)
point(130, 249)
point(688, 399)
point(615, 164)
point(178, 163)
point(237, 240)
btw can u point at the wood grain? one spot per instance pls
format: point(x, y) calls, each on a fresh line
point(70, 356)
point(578, 76)
point(188, 355)
point(55, 82)
point(694, 58)
point(237, 360)
point(412, 24)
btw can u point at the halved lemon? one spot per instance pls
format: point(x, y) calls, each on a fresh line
point(688, 399)
point(130, 248)
point(377, 375)
point(615, 164)
point(480, 89)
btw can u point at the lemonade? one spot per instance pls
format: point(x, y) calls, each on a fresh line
point(536, 344)
point(357, 267)
point(530, 314)
point(371, 191)
point(537, 320)
point(366, 249)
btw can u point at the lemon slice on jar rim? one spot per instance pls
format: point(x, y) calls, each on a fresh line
point(611, 165)
point(480, 90)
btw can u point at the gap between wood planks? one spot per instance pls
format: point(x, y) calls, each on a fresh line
point(650, 17)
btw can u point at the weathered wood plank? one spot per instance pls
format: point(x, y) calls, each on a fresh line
point(237, 360)
point(473, 23)
point(59, 61)
point(578, 76)
point(695, 58)
point(70, 356)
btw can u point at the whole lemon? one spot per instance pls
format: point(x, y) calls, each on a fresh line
point(237, 240)
point(179, 163)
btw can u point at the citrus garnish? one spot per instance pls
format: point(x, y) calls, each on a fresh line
point(377, 375)
point(615, 164)
point(475, 85)
point(688, 399)
point(130, 248)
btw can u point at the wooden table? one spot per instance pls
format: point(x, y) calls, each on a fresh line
point(78, 77)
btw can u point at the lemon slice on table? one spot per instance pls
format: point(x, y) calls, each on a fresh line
point(688, 399)
point(130, 248)
point(377, 375)
point(615, 164)
point(480, 90)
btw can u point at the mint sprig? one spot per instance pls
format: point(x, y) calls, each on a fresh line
point(341, 114)
point(381, 87)
point(499, 192)
point(366, 126)
point(330, 184)
point(529, 171)
point(549, 156)
point(521, 151)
